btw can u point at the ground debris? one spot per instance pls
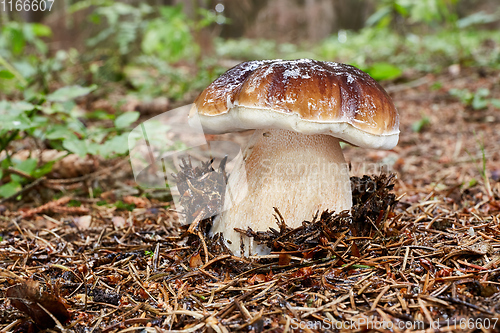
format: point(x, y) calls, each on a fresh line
point(42, 307)
point(373, 202)
point(202, 189)
point(386, 262)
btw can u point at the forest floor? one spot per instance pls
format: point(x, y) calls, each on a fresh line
point(420, 252)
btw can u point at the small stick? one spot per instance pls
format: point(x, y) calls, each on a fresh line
point(382, 293)
point(205, 248)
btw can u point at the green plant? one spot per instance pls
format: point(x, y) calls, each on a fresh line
point(383, 71)
point(422, 52)
point(361, 49)
point(124, 25)
point(481, 166)
point(476, 19)
point(22, 50)
point(119, 28)
point(483, 171)
point(26, 64)
point(151, 77)
point(30, 168)
point(414, 11)
point(120, 205)
point(169, 36)
point(476, 100)
point(421, 124)
point(54, 121)
point(436, 85)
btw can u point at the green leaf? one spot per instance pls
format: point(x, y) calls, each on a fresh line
point(126, 119)
point(418, 126)
point(84, 4)
point(60, 132)
point(44, 169)
point(384, 71)
point(56, 108)
point(5, 164)
point(116, 145)
point(99, 114)
point(483, 92)
point(22, 106)
point(123, 206)
point(436, 85)
point(170, 37)
point(5, 74)
point(464, 95)
point(495, 102)
point(15, 122)
point(94, 148)
point(26, 166)
point(25, 68)
point(476, 18)
point(362, 266)
point(9, 189)
point(41, 30)
point(377, 17)
point(76, 146)
point(69, 93)
point(17, 179)
point(18, 41)
point(74, 203)
point(479, 101)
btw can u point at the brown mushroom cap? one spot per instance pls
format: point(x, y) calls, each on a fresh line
point(306, 96)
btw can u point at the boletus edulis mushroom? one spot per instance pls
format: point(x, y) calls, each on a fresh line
point(301, 110)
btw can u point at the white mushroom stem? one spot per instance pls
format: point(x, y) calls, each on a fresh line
point(296, 173)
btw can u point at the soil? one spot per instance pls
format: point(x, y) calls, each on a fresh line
point(420, 250)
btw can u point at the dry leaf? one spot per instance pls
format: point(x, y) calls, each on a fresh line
point(195, 260)
point(257, 278)
point(284, 259)
point(138, 202)
point(119, 222)
point(83, 222)
point(28, 298)
point(303, 272)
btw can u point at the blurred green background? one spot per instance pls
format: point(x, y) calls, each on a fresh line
point(170, 48)
point(75, 78)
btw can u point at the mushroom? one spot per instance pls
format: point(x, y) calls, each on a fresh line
point(301, 110)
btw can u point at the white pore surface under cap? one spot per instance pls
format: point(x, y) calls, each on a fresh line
point(240, 118)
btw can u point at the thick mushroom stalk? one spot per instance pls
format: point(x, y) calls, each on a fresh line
point(296, 173)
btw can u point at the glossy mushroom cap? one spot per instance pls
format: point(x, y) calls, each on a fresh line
point(305, 96)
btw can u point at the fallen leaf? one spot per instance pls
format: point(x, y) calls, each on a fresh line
point(83, 222)
point(119, 222)
point(303, 272)
point(257, 278)
point(138, 202)
point(30, 299)
point(284, 259)
point(195, 261)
